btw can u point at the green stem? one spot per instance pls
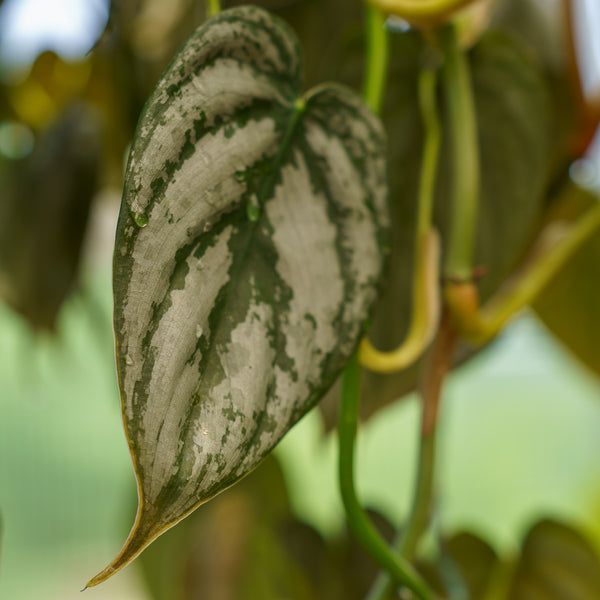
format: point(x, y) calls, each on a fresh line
point(377, 59)
point(214, 7)
point(465, 160)
point(402, 572)
point(433, 375)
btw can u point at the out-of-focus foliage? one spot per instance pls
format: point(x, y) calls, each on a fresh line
point(52, 160)
point(513, 137)
point(570, 305)
point(555, 563)
point(50, 87)
point(43, 215)
point(247, 545)
point(474, 562)
point(64, 130)
point(530, 132)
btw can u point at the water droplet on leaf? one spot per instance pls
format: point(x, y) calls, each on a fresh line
point(141, 219)
point(253, 208)
point(397, 24)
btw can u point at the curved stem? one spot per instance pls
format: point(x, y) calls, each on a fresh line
point(422, 10)
point(426, 292)
point(436, 367)
point(377, 52)
point(465, 160)
point(426, 309)
point(401, 572)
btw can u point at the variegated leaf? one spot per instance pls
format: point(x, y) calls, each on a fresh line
point(249, 247)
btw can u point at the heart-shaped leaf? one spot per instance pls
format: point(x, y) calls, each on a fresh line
point(556, 564)
point(248, 252)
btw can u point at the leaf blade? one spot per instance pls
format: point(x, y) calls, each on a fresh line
point(241, 199)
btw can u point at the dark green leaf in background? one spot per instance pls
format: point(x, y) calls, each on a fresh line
point(556, 564)
point(513, 116)
point(466, 569)
point(475, 562)
point(44, 210)
point(249, 249)
point(570, 305)
point(514, 122)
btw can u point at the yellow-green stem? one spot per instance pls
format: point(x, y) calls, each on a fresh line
point(400, 571)
point(214, 7)
point(426, 293)
point(425, 316)
point(377, 59)
point(465, 159)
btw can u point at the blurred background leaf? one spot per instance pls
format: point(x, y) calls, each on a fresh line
point(556, 563)
point(570, 305)
point(475, 562)
point(530, 129)
point(514, 118)
point(542, 28)
point(50, 87)
point(43, 215)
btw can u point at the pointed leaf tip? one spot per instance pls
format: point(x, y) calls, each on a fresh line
point(144, 531)
point(232, 323)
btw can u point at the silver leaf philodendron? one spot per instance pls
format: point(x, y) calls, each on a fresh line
point(249, 249)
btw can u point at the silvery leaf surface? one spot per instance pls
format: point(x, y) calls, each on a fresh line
point(248, 254)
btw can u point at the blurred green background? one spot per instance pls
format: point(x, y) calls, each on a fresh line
point(519, 439)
